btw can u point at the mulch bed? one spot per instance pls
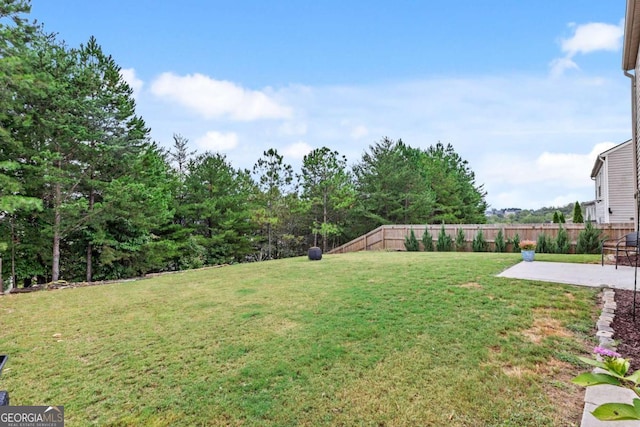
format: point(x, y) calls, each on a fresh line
point(626, 329)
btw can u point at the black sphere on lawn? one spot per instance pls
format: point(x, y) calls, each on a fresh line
point(315, 253)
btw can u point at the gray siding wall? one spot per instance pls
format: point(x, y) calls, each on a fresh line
point(620, 185)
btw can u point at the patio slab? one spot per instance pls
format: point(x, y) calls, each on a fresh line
point(593, 275)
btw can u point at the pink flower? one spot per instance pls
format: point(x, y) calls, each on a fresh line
point(606, 352)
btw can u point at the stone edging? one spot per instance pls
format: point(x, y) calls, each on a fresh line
point(596, 395)
point(605, 331)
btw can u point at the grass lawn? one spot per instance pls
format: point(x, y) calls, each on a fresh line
point(372, 338)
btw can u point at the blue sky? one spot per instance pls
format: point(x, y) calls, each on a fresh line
point(527, 92)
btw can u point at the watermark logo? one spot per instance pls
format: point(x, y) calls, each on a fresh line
point(31, 416)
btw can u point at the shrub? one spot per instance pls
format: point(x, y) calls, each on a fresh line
point(479, 244)
point(461, 241)
point(558, 218)
point(589, 240)
point(516, 243)
point(411, 244)
point(500, 244)
point(545, 244)
point(562, 241)
point(445, 242)
point(427, 240)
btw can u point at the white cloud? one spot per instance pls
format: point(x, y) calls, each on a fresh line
point(212, 98)
point(560, 65)
point(297, 150)
point(129, 76)
point(217, 141)
point(587, 38)
point(536, 181)
point(593, 37)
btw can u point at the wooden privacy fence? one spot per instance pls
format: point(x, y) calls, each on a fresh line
point(392, 237)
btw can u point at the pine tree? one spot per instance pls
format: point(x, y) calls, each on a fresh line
point(427, 240)
point(577, 214)
point(411, 243)
point(445, 242)
point(499, 242)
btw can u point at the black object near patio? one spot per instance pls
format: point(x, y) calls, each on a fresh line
point(315, 253)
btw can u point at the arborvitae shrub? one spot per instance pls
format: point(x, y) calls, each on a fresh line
point(516, 243)
point(500, 244)
point(562, 241)
point(577, 214)
point(545, 244)
point(445, 242)
point(589, 240)
point(556, 218)
point(461, 241)
point(427, 240)
point(479, 244)
point(411, 242)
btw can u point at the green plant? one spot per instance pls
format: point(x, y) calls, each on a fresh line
point(479, 243)
point(616, 368)
point(558, 217)
point(516, 243)
point(411, 243)
point(562, 241)
point(499, 242)
point(577, 214)
point(545, 244)
point(445, 242)
point(589, 240)
point(461, 241)
point(427, 240)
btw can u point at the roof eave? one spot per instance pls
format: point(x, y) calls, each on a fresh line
point(631, 36)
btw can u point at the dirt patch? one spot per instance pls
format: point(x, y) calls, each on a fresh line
point(545, 326)
point(471, 285)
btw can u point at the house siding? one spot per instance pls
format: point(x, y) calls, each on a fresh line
point(620, 188)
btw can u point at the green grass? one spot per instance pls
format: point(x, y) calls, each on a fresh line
point(370, 338)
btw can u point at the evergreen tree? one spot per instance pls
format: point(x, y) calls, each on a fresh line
point(577, 214)
point(500, 245)
point(479, 243)
point(390, 187)
point(427, 240)
point(562, 241)
point(516, 243)
point(329, 191)
point(445, 242)
point(411, 243)
point(218, 208)
point(589, 240)
point(461, 240)
point(274, 180)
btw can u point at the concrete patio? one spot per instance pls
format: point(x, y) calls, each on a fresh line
point(592, 275)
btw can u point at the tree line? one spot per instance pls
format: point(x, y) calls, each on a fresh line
point(86, 195)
